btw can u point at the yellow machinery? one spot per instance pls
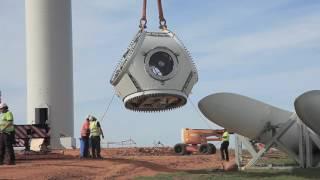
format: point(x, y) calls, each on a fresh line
point(196, 140)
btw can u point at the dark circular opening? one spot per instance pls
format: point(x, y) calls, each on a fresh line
point(161, 63)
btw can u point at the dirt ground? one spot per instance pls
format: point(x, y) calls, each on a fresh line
point(118, 163)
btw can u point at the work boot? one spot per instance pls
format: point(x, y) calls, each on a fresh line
point(93, 156)
point(11, 163)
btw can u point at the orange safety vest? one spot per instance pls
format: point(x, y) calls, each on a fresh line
point(85, 130)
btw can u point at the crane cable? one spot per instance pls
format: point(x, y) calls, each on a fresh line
point(200, 114)
point(203, 118)
point(143, 19)
point(108, 107)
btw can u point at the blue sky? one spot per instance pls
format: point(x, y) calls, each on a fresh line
point(267, 50)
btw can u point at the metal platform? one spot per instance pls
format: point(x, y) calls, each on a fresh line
point(308, 142)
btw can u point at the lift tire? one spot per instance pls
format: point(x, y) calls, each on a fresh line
point(213, 148)
point(205, 149)
point(180, 149)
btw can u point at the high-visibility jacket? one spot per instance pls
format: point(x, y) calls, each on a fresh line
point(85, 129)
point(5, 119)
point(94, 128)
point(225, 136)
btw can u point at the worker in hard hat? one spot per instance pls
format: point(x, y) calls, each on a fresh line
point(6, 135)
point(224, 145)
point(85, 135)
point(95, 133)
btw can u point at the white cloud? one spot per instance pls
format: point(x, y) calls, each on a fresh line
point(12, 57)
point(291, 35)
point(112, 5)
point(280, 88)
point(302, 32)
point(12, 44)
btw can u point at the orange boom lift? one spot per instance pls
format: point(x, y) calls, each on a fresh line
point(196, 140)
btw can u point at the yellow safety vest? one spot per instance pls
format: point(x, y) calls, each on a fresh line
point(6, 118)
point(94, 129)
point(225, 136)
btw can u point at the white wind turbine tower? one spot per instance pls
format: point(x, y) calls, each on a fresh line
point(50, 66)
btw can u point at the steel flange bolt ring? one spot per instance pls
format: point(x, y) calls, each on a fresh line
point(155, 102)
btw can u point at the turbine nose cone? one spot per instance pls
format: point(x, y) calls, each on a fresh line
point(307, 107)
point(151, 77)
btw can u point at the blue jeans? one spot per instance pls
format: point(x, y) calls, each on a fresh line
point(85, 140)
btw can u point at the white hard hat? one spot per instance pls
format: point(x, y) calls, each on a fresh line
point(92, 118)
point(2, 105)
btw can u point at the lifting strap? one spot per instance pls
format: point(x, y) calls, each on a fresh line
point(162, 20)
point(143, 20)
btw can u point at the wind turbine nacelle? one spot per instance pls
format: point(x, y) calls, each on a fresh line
point(156, 73)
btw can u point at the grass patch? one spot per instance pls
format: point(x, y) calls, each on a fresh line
point(294, 174)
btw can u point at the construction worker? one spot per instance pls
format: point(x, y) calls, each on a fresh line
point(224, 145)
point(85, 135)
point(6, 135)
point(95, 133)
